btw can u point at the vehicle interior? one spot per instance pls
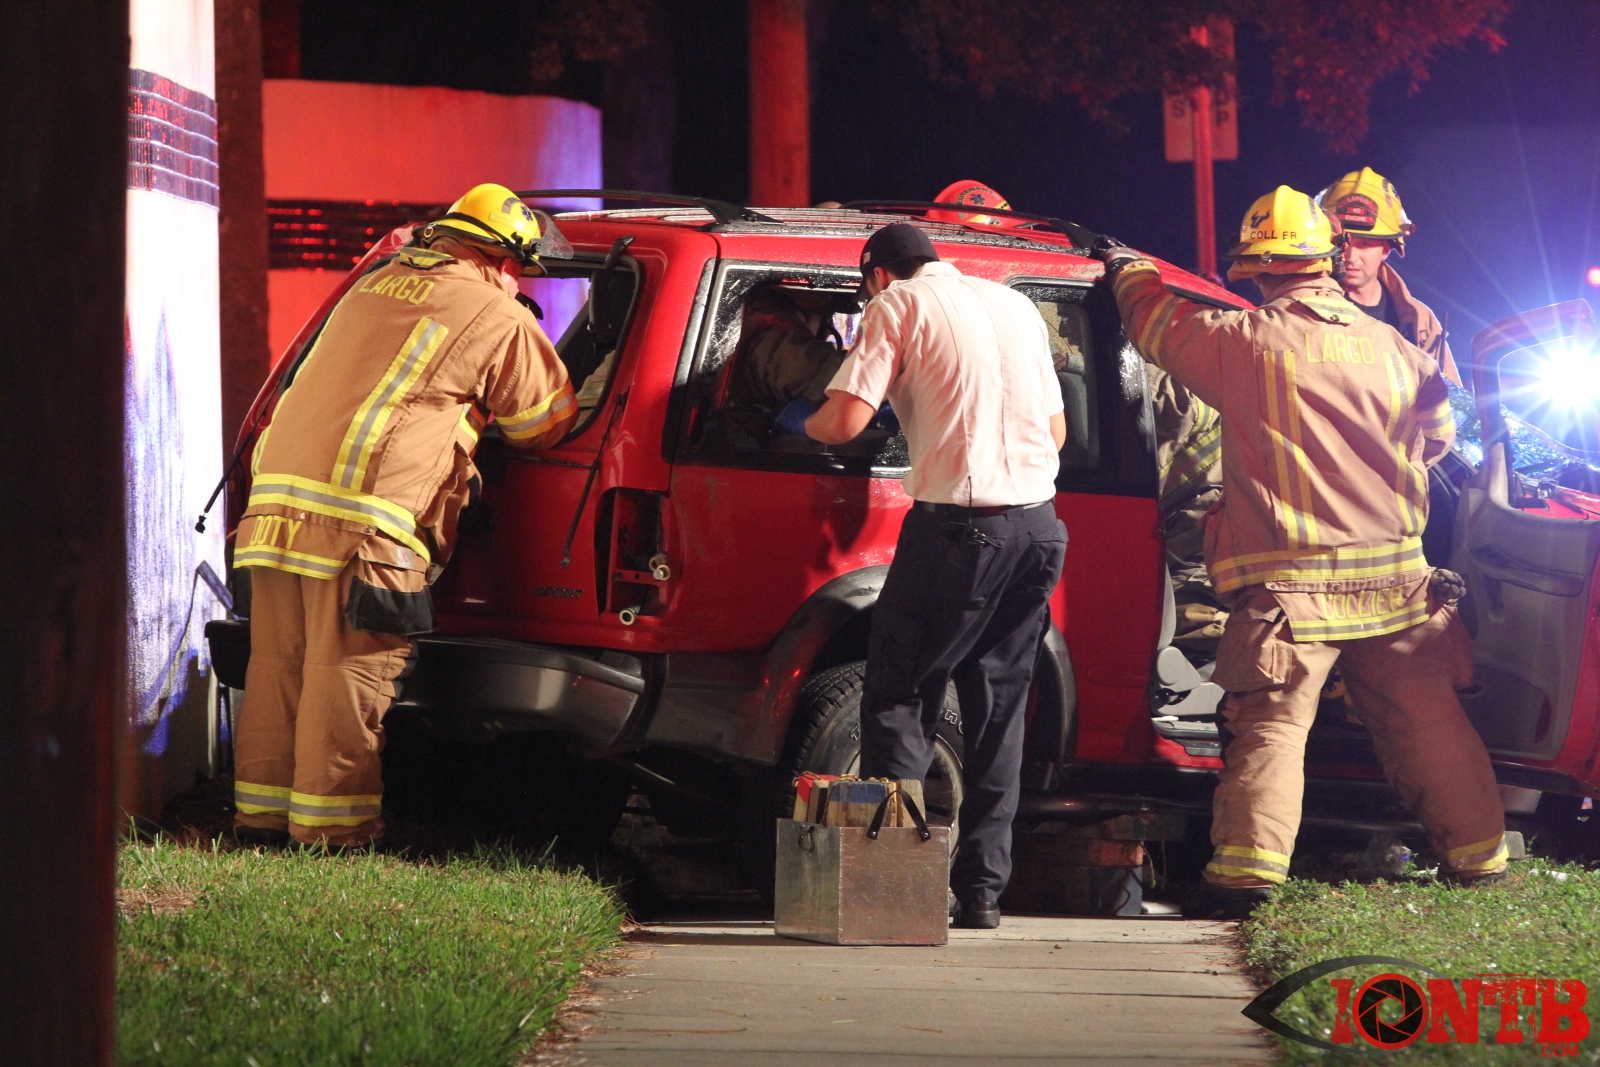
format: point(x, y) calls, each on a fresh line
point(742, 380)
point(725, 421)
point(589, 344)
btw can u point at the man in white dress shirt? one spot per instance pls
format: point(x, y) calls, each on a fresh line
point(966, 364)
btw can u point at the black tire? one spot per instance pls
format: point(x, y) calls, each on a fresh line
point(526, 788)
point(825, 738)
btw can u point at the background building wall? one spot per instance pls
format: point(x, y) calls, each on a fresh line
point(172, 437)
point(384, 153)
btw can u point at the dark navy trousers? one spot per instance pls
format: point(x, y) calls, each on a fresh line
point(965, 601)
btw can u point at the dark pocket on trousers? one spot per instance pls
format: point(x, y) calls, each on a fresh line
point(388, 611)
point(389, 590)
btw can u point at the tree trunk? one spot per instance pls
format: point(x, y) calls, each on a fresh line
point(780, 105)
point(64, 136)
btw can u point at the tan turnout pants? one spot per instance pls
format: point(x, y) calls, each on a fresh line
point(1402, 685)
point(306, 757)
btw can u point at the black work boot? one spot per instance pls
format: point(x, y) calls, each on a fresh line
point(260, 837)
point(1473, 881)
point(979, 915)
point(1225, 903)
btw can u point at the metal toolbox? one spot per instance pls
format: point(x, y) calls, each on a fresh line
point(838, 885)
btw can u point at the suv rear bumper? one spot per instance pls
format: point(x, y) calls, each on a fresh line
point(486, 682)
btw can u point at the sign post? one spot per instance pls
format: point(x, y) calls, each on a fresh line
point(1190, 137)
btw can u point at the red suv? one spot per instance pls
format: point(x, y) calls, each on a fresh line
point(692, 605)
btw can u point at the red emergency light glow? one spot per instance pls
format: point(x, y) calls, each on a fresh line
point(1592, 276)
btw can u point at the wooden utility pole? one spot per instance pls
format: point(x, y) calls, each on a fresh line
point(780, 105)
point(64, 137)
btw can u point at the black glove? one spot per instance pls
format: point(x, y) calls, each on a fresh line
point(1113, 253)
point(1446, 586)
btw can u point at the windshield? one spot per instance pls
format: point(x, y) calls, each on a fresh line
point(1535, 454)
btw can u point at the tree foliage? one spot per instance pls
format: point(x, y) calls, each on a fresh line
point(1327, 57)
point(588, 31)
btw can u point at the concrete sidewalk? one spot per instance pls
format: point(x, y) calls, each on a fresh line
point(1036, 991)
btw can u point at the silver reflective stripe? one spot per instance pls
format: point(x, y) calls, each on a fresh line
point(328, 499)
point(359, 444)
point(260, 800)
point(557, 406)
point(245, 557)
point(1253, 862)
point(297, 808)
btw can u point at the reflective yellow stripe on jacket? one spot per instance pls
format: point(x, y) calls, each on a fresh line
point(1290, 565)
point(1288, 453)
point(285, 560)
point(366, 428)
point(1438, 422)
point(542, 417)
point(307, 494)
point(1188, 466)
point(1155, 324)
point(1410, 483)
point(1348, 622)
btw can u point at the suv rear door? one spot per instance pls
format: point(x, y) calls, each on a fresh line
point(1108, 604)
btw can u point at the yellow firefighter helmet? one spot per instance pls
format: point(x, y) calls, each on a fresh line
point(493, 215)
point(1366, 203)
point(1284, 232)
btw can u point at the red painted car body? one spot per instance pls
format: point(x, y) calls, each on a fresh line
point(646, 590)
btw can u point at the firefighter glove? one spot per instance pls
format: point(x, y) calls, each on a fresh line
point(1446, 587)
point(1113, 253)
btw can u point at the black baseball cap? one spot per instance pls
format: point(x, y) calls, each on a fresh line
point(895, 242)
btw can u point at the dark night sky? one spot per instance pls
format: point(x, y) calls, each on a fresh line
point(1497, 158)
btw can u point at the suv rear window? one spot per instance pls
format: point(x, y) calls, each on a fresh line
point(1071, 349)
point(589, 344)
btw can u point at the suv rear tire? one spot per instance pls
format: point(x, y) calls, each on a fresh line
point(825, 738)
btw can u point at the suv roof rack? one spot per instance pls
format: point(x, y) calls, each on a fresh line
point(721, 210)
point(1081, 236)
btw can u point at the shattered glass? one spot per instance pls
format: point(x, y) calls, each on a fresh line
point(1535, 454)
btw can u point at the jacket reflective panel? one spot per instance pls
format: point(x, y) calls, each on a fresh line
point(1188, 441)
point(379, 424)
point(1330, 420)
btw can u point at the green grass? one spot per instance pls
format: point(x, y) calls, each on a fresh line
point(1534, 924)
point(287, 958)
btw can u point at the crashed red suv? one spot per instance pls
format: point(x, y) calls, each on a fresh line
point(688, 609)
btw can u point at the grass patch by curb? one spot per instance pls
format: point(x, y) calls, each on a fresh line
point(1544, 921)
point(273, 959)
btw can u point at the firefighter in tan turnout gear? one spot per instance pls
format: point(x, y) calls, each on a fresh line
point(355, 489)
point(1330, 421)
point(1189, 459)
point(1375, 224)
